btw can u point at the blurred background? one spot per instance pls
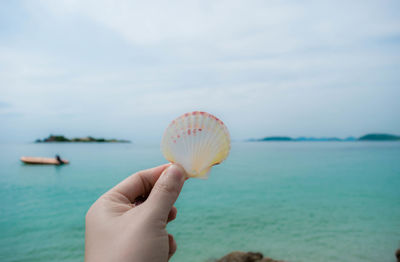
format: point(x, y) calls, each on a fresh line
point(125, 69)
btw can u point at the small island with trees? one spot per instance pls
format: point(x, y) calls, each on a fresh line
point(379, 137)
point(368, 137)
point(88, 139)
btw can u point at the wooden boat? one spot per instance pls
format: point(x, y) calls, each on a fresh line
point(42, 160)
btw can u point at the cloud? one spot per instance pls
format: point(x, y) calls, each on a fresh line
point(4, 104)
point(238, 24)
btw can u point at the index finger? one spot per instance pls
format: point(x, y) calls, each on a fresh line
point(140, 183)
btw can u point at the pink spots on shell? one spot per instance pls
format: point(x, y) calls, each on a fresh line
point(195, 122)
point(175, 141)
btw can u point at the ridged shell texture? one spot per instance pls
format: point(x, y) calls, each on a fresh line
point(196, 141)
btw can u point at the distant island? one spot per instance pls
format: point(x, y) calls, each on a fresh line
point(88, 139)
point(276, 138)
point(379, 137)
point(368, 137)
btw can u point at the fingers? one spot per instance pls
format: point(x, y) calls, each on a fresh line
point(172, 214)
point(139, 183)
point(172, 246)
point(165, 191)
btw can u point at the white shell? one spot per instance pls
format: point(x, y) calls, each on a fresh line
point(196, 141)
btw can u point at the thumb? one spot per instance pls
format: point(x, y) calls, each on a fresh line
point(166, 190)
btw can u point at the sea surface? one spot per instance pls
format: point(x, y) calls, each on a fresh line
point(296, 201)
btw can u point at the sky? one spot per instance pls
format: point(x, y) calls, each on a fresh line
point(125, 69)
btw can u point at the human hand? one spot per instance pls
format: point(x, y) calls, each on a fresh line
point(119, 228)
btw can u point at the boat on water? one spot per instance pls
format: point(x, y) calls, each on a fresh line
point(43, 160)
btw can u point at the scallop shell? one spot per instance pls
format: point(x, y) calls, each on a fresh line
point(196, 141)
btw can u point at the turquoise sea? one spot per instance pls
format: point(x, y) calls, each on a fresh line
point(297, 201)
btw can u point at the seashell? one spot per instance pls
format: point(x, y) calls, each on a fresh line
point(196, 141)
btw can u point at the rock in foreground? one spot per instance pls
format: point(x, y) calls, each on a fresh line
point(239, 256)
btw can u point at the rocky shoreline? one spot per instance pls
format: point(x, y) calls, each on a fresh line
point(239, 256)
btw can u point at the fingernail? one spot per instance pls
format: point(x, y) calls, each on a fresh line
point(175, 173)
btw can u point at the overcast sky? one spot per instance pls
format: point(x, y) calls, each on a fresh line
point(125, 69)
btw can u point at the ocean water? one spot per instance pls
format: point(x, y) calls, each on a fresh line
point(318, 201)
